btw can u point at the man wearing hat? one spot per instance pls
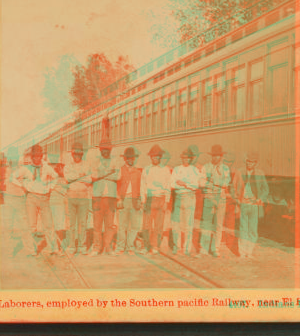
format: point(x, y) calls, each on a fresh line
point(185, 181)
point(155, 194)
point(199, 198)
point(232, 210)
point(215, 180)
point(39, 179)
point(251, 196)
point(16, 225)
point(78, 176)
point(104, 178)
point(129, 202)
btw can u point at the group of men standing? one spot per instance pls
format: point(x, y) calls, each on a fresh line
point(129, 200)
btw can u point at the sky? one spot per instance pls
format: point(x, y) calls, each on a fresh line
point(35, 34)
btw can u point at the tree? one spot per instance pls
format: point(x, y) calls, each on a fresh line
point(98, 74)
point(193, 17)
point(58, 82)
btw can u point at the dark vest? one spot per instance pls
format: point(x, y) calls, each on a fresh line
point(252, 180)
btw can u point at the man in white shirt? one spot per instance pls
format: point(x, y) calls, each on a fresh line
point(39, 179)
point(251, 195)
point(216, 178)
point(16, 230)
point(155, 194)
point(185, 180)
point(78, 176)
point(104, 179)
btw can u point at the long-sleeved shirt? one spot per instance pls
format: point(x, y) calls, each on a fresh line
point(14, 186)
point(36, 179)
point(156, 181)
point(106, 187)
point(81, 175)
point(215, 179)
point(190, 175)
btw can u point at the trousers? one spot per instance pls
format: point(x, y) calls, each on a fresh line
point(212, 223)
point(183, 220)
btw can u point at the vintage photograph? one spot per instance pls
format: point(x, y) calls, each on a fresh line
point(150, 145)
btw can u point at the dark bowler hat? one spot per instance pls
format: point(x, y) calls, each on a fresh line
point(156, 151)
point(105, 144)
point(130, 152)
point(216, 150)
point(187, 153)
point(194, 149)
point(77, 147)
point(36, 149)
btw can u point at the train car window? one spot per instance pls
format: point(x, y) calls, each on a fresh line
point(192, 109)
point(155, 116)
point(116, 128)
point(278, 81)
point(207, 102)
point(136, 122)
point(148, 118)
point(163, 114)
point(142, 120)
point(171, 112)
point(126, 125)
point(121, 126)
point(112, 127)
point(238, 109)
point(219, 114)
point(182, 107)
point(256, 89)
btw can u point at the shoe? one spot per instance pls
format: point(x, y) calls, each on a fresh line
point(93, 254)
point(143, 251)
point(111, 253)
point(215, 254)
point(154, 251)
point(33, 254)
point(71, 251)
point(130, 252)
point(119, 253)
point(83, 251)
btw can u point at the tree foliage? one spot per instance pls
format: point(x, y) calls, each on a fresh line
point(193, 17)
point(99, 73)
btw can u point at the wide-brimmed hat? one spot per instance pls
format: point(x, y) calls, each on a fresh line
point(187, 153)
point(252, 156)
point(195, 150)
point(217, 150)
point(156, 151)
point(130, 152)
point(36, 149)
point(77, 147)
point(105, 144)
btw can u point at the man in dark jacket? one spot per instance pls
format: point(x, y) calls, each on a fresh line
point(129, 202)
point(251, 195)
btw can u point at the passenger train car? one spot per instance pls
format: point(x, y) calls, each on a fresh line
point(233, 85)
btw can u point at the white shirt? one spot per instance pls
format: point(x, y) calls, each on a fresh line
point(81, 171)
point(39, 180)
point(215, 178)
point(190, 175)
point(156, 181)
